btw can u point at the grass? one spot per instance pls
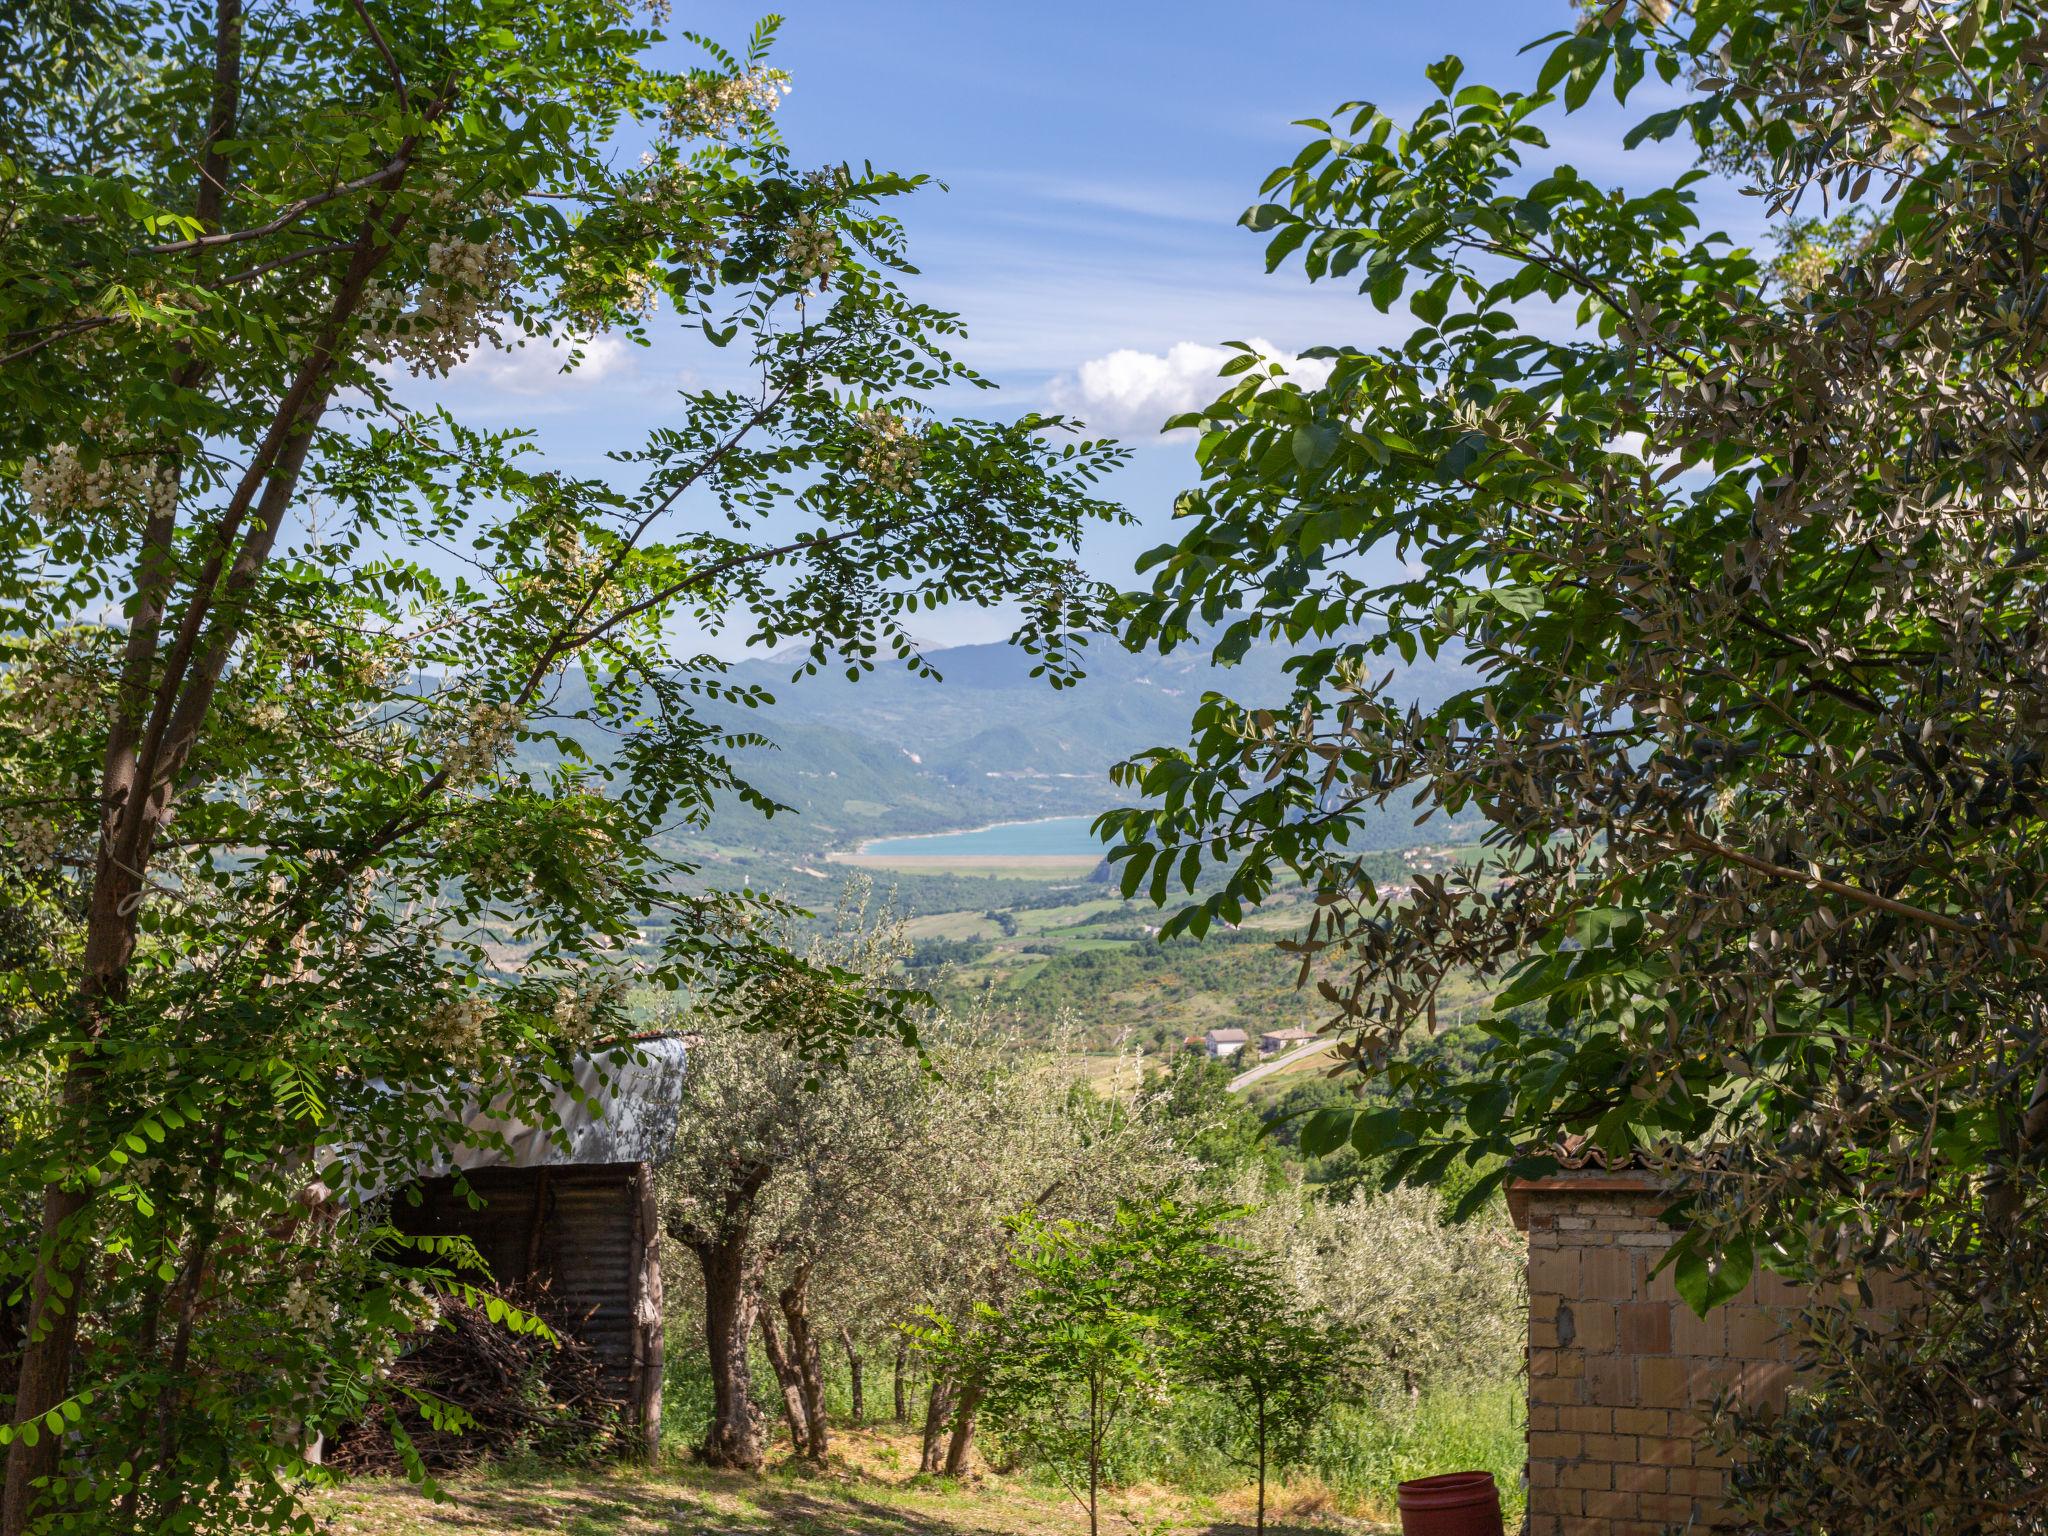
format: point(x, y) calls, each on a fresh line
point(863, 1491)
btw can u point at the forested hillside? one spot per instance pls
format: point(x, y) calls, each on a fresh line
point(983, 741)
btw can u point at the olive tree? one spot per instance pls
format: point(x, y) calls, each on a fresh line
point(777, 1170)
point(1012, 1127)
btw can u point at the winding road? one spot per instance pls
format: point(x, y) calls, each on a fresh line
point(1266, 1069)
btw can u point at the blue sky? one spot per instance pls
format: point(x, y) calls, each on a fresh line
point(1097, 157)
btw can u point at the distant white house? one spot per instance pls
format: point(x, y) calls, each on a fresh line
point(1274, 1041)
point(1223, 1043)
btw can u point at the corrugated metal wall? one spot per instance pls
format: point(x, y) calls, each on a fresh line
point(586, 1232)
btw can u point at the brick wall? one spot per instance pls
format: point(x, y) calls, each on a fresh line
point(1619, 1366)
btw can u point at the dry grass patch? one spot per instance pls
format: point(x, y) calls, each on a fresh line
point(860, 1492)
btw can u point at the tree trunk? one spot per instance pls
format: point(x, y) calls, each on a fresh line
point(902, 1386)
point(786, 1378)
point(860, 1406)
point(43, 1376)
point(733, 1438)
point(795, 1301)
point(937, 1409)
point(1261, 1529)
point(963, 1428)
point(1094, 1451)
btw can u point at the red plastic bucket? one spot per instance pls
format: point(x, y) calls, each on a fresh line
point(1451, 1504)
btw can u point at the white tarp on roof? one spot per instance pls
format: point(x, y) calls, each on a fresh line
point(632, 1120)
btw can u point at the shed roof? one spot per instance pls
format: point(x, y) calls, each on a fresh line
point(630, 1120)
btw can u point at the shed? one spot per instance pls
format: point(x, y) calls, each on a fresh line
point(580, 1218)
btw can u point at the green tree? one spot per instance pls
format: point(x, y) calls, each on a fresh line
point(1279, 1364)
point(1007, 1126)
point(1220, 1130)
point(773, 1172)
point(1744, 561)
point(282, 729)
point(1089, 1341)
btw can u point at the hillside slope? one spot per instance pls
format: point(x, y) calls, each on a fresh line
point(896, 753)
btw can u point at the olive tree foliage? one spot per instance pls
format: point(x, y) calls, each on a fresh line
point(849, 1202)
point(773, 1171)
point(1428, 1303)
point(1012, 1127)
point(286, 766)
point(1745, 560)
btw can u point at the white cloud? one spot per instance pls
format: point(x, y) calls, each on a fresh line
point(1128, 391)
point(532, 367)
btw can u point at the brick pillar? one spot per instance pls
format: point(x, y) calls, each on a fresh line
point(1619, 1367)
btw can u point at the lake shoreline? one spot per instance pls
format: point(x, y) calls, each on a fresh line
point(865, 848)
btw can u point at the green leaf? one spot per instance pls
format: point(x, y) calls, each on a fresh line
point(1704, 1282)
point(1658, 125)
point(1315, 443)
point(1428, 304)
point(1481, 1190)
point(1327, 1130)
point(1600, 927)
point(1378, 1131)
point(1444, 73)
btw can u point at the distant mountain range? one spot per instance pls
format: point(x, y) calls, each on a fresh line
point(894, 753)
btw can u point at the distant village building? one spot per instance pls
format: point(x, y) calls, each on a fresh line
point(578, 1218)
point(1222, 1044)
point(1274, 1041)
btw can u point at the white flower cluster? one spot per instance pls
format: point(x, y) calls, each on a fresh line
point(36, 840)
point(59, 482)
point(51, 691)
point(810, 250)
point(891, 454)
point(415, 1302)
point(306, 1309)
point(495, 870)
point(376, 669)
point(714, 105)
point(457, 306)
point(580, 1008)
point(417, 1306)
point(455, 1025)
point(569, 556)
point(470, 750)
point(640, 296)
point(598, 300)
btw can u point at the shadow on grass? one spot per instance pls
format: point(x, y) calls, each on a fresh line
point(697, 1501)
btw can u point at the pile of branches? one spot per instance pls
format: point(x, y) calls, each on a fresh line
point(523, 1394)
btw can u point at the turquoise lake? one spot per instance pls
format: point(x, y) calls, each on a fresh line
point(1065, 835)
